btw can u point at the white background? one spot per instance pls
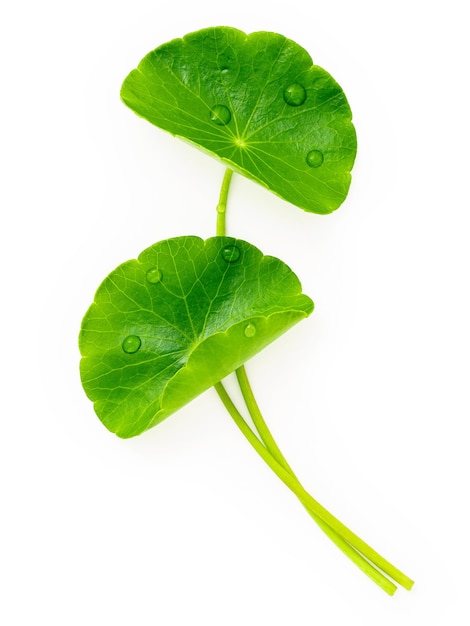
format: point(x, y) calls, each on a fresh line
point(368, 398)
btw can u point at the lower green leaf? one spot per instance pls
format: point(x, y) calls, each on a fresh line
point(167, 326)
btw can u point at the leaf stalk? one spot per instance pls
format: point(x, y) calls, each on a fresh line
point(222, 204)
point(358, 551)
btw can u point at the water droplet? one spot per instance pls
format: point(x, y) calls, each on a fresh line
point(154, 275)
point(295, 95)
point(224, 70)
point(250, 330)
point(230, 254)
point(221, 208)
point(131, 344)
point(220, 115)
point(314, 158)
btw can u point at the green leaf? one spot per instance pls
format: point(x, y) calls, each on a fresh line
point(165, 327)
point(258, 104)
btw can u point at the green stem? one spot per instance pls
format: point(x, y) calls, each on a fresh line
point(276, 453)
point(222, 205)
point(258, 419)
point(351, 544)
point(266, 436)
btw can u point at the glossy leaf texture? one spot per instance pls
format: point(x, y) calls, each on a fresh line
point(167, 326)
point(257, 103)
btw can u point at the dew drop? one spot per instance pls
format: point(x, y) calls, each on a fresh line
point(224, 70)
point(250, 330)
point(314, 158)
point(230, 254)
point(154, 275)
point(221, 208)
point(220, 115)
point(131, 344)
point(295, 95)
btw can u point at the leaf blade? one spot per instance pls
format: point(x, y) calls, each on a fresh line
point(267, 135)
point(153, 340)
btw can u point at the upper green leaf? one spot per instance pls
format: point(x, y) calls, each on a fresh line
point(257, 103)
point(167, 326)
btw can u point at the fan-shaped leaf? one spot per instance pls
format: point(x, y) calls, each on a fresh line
point(167, 326)
point(257, 103)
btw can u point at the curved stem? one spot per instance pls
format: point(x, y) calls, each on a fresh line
point(354, 547)
point(350, 544)
point(258, 419)
point(222, 205)
point(276, 453)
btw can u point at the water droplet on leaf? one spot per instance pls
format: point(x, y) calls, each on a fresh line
point(250, 330)
point(230, 254)
point(314, 158)
point(295, 95)
point(220, 115)
point(131, 344)
point(224, 70)
point(154, 275)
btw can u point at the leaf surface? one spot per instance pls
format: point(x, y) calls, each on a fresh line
point(167, 326)
point(257, 103)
